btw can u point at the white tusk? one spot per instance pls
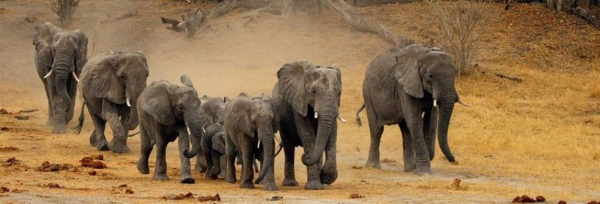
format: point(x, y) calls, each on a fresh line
point(464, 104)
point(258, 146)
point(341, 119)
point(128, 103)
point(188, 129)
point(434, 103)
point(316, 115)
point(203, 130)
point(49, 73)
point(75, 76)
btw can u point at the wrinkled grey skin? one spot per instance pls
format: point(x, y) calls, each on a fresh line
point(302, 90)
point(248, 123)
point(212, 112)
point(213, 147)
point(399, 88)
point(108, 81)
point(63, 52)
point(166, 112)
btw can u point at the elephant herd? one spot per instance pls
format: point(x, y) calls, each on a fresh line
point(410, 86)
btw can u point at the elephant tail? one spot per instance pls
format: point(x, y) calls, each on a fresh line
point(358, 121)
point(134, 134)
point(81, 119)
point(279, 150)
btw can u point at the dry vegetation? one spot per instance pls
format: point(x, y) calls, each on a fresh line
point(540, 136)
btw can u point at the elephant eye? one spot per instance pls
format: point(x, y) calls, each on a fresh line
point(180, 106)
point(430, 76)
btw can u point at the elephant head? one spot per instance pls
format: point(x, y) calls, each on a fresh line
point(420, 71)
point(213, 110)
point(121, 79)
point(65, 53)
point(314, 92)
point(177, 106)
point(263, 120)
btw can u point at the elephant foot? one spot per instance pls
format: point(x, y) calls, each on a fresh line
point(423, 168)
point(50, 121)
point(328, 178)
point(373, 164)
point(118, 147)
point(102, 146)
point(270, 186)
point(59, 129)
point(188, 181)
point(93, 139)
point(200, 166)
point(249, 185)
point(221, 175)
point(143, 167)
point(229, 180)
point(160, 176)
point(314, 185)
point(409, 167)
point(290, 182)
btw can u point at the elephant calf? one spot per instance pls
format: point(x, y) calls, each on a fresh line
point(212, 112)
point(248, 123)
point(213, 147)
point(109, 82)
point(166, 112)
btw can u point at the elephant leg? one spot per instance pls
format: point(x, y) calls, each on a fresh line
point(146, 149)
point(184, 144)
point(99, 141)
point(216, 165)
point(414, 122)
point(246, 148)
point(376, 132)
point(410, 162)
point(72, 90)
point(223, 165)
point(119, 141)
point(429, 131)
point(160, 169)
point(230, 154)
point(288, 171)
point(200, 164)
point(42, 71)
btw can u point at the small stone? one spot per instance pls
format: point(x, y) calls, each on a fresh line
point(562, 202)
point(593, 202)
point(129, 191)
point(4, 189)
point(123, 186)
point(92, 173)
point(356, 195)
point(540, 199)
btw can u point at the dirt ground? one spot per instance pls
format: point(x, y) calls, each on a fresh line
point(540, 136)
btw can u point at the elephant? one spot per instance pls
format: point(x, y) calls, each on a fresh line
point(109, 82)
point(59, 58)
point(166, 112)
point(212, 112)
point(213, 147)
point(410, 86)
point(307, 100)
point(250, 122)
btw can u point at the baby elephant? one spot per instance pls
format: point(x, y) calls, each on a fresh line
point(212, 112)
point(168, 111)
point(248, 123)
point(213, 147)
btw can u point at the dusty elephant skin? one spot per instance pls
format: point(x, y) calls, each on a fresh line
point(212, 112)
point(213, 149)
point(405, 87)
point(307, 100)
point(59, 58)
point(168, 112)
point(110, 82)
point(250, 124)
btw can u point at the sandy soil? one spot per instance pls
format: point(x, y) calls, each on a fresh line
point(538, 137)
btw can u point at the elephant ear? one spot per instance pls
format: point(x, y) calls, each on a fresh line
point(42, 39)
point(218, 143)
point(157, 103)
point(104, 82)
point(187, 81)
point(291, 81)
point(407, 70)
point(339, 78)
point(82, 51)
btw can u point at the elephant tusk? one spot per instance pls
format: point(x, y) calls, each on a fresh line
point(188, 129)
point(435, 103)
point(128, 103)
point(316, 115)
point(75, 76)
point(49, 73)
point(341, 119)
point(258, 146)
point(203, 130)
point(464, 104)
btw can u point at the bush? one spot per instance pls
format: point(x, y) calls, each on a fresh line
point(461, 24)
point(64, 9)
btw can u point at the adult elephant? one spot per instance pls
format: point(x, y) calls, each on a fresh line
point(168, 112)
point(405, 86)
point(307, 99)
point(109, 83)
point(59, 58)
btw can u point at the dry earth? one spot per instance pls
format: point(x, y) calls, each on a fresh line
point(540, 136)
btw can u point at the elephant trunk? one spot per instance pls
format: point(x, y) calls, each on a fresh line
point(61, 77)
point(446, 107)
point(266, 137)
point(326, 127)
point(194, 125)
point(133, 92)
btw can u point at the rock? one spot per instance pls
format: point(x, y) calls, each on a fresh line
point(92, 173)
point(129, 191)
point(356, 195)
point(4, 189)
point(562, 202)
point(211, 198)
point(540, 199)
